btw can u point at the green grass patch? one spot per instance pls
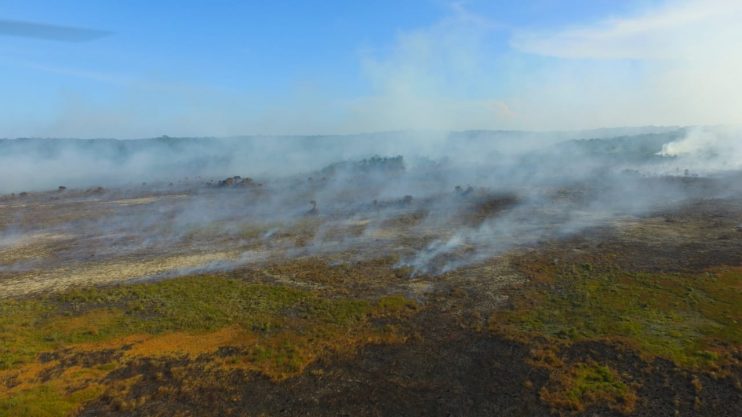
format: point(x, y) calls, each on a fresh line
point(587, 384)
point(279, 330)
point(46, 401)
point(191, 304)
point(595, 381)
point(689, 318)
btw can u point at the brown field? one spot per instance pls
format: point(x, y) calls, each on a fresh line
point(106, 310)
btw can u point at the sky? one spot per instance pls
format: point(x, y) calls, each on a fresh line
point(220, 68)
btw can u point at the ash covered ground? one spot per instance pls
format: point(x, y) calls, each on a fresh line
point(477, 273)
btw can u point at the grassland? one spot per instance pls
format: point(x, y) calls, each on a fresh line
point(57, 350)
point(691, 319)
point(584, 384)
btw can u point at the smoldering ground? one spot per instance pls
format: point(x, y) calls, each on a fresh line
point(433, 201)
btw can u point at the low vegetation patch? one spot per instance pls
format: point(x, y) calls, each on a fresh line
point(57, 350)
point(694, 320)
point(588, 384)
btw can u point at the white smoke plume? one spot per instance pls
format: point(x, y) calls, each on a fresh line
point(474, 194)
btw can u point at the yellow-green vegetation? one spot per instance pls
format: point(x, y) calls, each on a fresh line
point(276, 330)
point(587, 384)
point(45, 401)
point(694, 319)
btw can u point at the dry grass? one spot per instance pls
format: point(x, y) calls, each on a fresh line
point(589, 384)
point(75, 338)
point(691, 319)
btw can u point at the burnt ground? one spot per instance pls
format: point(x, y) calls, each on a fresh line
point(452, 361)
point(693, 237)
point(443, 372)
point(452, 368)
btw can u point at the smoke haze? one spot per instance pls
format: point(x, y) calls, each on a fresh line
point(500, 133)
point(464, 197)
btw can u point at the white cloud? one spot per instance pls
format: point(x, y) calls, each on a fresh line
point(677, 30)
point(674, 64)
point(433, 78)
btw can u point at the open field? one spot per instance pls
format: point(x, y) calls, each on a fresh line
point(319, 314)
point(421, 208)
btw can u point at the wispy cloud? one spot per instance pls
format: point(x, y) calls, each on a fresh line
point(677, 63)
point(98, 76)
point(49, 32)
point(673, 64)
point(436, 77)
point(677, 30)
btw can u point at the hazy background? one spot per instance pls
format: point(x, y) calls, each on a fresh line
point(185, 68)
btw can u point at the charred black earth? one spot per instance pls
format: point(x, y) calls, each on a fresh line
point(348, 291)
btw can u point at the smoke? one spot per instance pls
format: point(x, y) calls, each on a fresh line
point(706, 151)
point(434, 201)
point(698, 143)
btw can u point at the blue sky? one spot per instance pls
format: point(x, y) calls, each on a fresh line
point(244, 67)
